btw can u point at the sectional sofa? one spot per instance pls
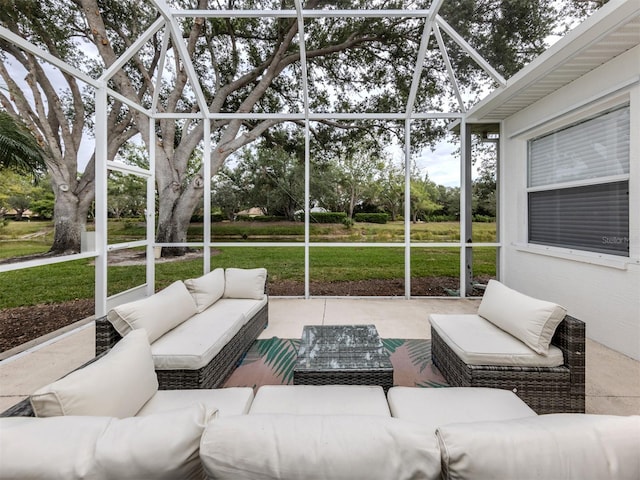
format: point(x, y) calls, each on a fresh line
point(199, 329)
point(109, 420)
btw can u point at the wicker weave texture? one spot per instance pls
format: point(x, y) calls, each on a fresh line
point(216, 372)
point(545, 390)
point(211, 375)
point(384, 378)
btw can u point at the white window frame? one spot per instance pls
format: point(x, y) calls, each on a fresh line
point(579, 253)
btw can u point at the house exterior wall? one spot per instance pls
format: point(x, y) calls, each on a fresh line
point(601, 290)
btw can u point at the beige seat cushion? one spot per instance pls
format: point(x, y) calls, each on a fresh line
point(194, 343)
point(558, 446)
point(433, 407)
point(228, 401)
point(245, 283)
point(161, 446)
point(318, 447)
point(320, 400)
point(116, 385)
point(479, 342)
point(207, 289)
point(156, 314)
point(528, 319)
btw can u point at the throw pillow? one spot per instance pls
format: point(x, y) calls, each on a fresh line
point(245, 283)
point(531, 321)
point(116, 385)
point(156, 314)
point(207, 289)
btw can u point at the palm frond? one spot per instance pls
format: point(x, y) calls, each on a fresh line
point(280, 354)
point(19, 150)
point(419, 353)
point(392, 344)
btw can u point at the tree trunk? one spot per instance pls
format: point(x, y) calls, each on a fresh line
point(175, 209)
point(70, 221)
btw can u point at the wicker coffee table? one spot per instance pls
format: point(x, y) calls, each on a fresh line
point(342, 355)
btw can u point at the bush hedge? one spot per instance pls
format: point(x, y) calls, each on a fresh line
point(260, 218)
point(327, 217)
point(371, 217)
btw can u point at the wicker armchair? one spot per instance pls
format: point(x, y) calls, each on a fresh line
point(544, 389)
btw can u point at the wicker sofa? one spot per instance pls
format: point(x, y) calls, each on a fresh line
point(495, 349)
point(199, 329)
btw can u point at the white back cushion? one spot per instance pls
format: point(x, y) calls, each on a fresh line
point(569, 446)
point(318, 447)
point(116, 385)
point(54, 448)
point(156, 314)
point(160, 446)
point(245, 283)
point(207, 289)
point(530, 320)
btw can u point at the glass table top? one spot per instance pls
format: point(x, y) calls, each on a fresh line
point(341, 347)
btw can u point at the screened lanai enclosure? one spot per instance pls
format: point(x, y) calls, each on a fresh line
point(227, 134)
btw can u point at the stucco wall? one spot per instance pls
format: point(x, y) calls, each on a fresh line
point(602, 290)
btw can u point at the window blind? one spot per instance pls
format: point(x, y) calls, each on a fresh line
point(598, 147)
point(593, 218)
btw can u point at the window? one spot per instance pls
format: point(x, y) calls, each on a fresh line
point(578, 185)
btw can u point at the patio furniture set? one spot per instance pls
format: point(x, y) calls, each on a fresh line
point(123, 416)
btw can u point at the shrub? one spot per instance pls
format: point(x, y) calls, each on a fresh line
point(268, 218)
point(441, 218)
point(372, 217)
point(260, 218)
point(327, 217)
point(483, 219)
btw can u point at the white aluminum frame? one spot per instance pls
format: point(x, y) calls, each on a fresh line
point(168, 21)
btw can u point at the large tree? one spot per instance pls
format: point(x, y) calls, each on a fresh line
point(244, 65)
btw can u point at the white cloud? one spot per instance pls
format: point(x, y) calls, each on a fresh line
point(442, 164)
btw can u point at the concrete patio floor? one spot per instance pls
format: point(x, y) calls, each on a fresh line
point(613, 380)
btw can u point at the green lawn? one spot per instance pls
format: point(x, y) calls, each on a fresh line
point(70, 280)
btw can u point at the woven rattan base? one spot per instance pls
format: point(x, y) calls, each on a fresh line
point(383, 378)
point(211, 375)
point(545, 390)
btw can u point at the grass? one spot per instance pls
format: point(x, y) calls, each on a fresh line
point(75, 280)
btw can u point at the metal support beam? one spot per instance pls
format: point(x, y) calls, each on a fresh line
point(447, 62)
point(132, 50)
point(407, 208)
point(471, 51)
point(101, 200)
point(466, 220)
point(422, 53)
point(307, 134)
